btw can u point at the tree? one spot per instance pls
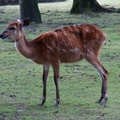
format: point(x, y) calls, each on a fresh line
point(84, 6)
point(29, 8)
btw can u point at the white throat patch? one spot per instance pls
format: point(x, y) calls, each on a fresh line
point(16, 44)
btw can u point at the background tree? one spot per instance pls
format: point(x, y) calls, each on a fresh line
point(29, 8)
point(84, 6)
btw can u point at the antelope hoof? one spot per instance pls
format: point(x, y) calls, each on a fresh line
point(102, 101)
point(103, 104)
point(42, 103)
point(56, 105)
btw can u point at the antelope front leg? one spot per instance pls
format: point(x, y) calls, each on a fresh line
point(44, 78)
point(56, 81)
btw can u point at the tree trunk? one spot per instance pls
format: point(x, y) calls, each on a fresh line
point(29, 8)
point(86, 6)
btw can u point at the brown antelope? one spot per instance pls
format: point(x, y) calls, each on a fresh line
point(65, 45)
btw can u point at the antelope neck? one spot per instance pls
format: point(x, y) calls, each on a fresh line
point(24, 46)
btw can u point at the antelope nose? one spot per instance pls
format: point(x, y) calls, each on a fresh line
point(1, 36)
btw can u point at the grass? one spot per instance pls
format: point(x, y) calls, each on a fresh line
point(20, 78)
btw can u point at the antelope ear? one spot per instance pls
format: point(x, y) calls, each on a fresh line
point(26, 22)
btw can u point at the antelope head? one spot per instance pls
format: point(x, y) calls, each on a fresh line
point(14, 30)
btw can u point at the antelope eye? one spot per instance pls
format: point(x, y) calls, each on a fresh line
point(12, 28)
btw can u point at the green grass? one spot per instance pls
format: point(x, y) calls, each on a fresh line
point(20, 78)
